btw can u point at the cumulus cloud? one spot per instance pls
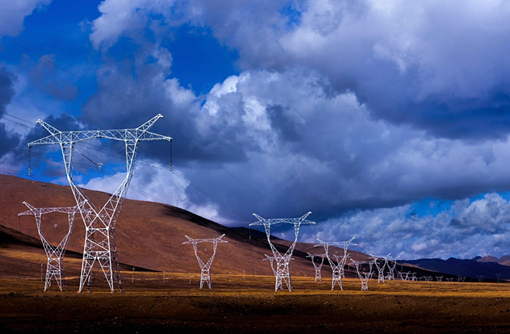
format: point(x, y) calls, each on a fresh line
point(468, 228)
point(295, 144)
point(155, 184)
point(6, 88)
point(8, 141)
point(435, 65)
point(339, 106)
point(13, 14)
point(128, 18)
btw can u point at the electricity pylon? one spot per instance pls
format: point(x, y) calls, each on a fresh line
point(363, 275)
point(281, 269)
point(55, 254)
point(318, 267)
point(338, 267)
point(205, 267)
point(100, 223)
point(391, 269)
point(380, 267)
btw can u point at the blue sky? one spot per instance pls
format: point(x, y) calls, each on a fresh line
point(389, 120)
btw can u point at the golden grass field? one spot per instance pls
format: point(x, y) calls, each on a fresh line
point(173, 302)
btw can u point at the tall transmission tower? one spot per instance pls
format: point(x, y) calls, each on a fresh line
point(100, 245)
point(55, 254)
point(205, 267)
point(281, 261)
point(338, 267)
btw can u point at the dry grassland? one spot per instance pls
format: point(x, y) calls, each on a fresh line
point(170, 302)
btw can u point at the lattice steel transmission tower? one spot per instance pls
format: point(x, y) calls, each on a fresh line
point(55, 254)
point(205, 267)
point(380, 267)
point(391, 269)
point(281, 269)
point(317, 267)
point(338, 267)
point(100, 245)
point(363, 275)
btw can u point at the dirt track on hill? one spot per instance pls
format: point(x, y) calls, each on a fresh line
point(249, 305)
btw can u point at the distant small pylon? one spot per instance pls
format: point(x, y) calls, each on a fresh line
point(363, 275)
point(205, 267)
point(55, 264)
point(338, 267)
point(380, 267)
point(281, 261)
point(318, 267)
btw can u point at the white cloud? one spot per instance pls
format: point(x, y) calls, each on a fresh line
point(155, 183)
point(366, 104)
point(13, 14)
point(116, 17)
point(467, 229)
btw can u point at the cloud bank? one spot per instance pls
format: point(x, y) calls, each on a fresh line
point(352, 110)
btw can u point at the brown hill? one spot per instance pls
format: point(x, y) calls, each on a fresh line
point(149, 235)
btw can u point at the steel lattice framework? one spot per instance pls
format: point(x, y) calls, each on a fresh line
point(391, 269)
point(205, 267)
point(318, 267)
point(100, 244)
point(55, 254)
point(281, 269)
point(380, 267)
point(338, 267)
point(271, 261)
point(363, 275)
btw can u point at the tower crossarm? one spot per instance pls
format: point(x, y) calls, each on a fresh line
point(297, 222)
point(378, 266)
point(344, 245)
point(392, 267)
point(41, 211)
point(341, 244)
point(141, 133)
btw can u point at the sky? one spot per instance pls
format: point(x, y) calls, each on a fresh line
point(388, 119)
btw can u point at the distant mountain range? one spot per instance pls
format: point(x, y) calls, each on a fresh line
point(488, 267)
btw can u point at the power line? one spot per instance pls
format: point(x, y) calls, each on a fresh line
point(210, 196)
point(136, 106)
point(136, 189)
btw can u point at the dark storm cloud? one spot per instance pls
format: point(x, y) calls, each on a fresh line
point(6, 88)
point(129, 99)
point(283, 121)
point(8, 142)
